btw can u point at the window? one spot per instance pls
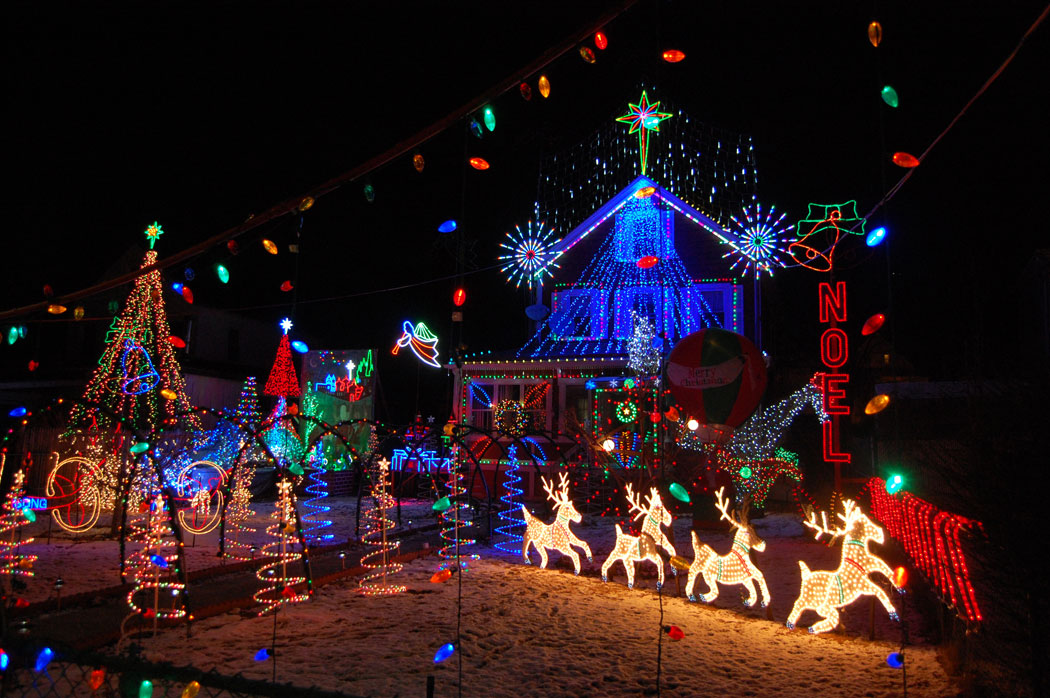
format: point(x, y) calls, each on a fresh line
point(580, 314)
point(643, 300)
point(480, 399)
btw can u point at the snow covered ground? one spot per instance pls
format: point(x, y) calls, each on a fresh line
point(533, 632)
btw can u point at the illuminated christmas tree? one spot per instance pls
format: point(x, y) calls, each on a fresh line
point(248, 406)
point(154, 569)
point(453, 521)
point(238, 511)
point(13, 562)
point(281, 437)
point(314, 521)
point(512, 522)
point(283, 381)
point(138, 376)
point(378, 560)
point(643, 357)
point(280, 549)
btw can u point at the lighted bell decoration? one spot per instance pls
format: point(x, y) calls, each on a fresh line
point(544, 86)
point(525, 91)
point(900, 577)
point(889, 96)
point(872, 324)
point(647, 262)
point(906, 160)
point(418, 162)
point(479, 163)
point(370, 193)
point(601, 41)
point(176, 342)
point(894, 484)
point(223, 272)
point(286, 286)
point(587, 55)
point(490, 119)
point(459, 297)
point(78, 312)
point(233, 247)
point(475, 129)
point(895, 660)
point(875, 33)
point(679, 492)
point(877, 404)
point(673, 56)
point(875, 237)
point(442, 504)
point(187, 294)
point(56, 309)
point(270, 246)
point(448, 226)
point(444, 652)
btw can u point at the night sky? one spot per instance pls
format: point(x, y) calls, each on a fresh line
point(199, 115)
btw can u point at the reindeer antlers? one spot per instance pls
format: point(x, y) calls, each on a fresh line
point(562, 494)
point(811, 520)
point(636, 501)
point(723, 506)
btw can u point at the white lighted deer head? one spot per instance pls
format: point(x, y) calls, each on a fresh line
point(827, 592)
point(633, 549)
point(554, 536)
point(735, 567)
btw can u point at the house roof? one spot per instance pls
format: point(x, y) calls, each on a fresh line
point(614, 204)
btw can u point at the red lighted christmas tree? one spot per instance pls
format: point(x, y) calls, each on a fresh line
point(283, 381)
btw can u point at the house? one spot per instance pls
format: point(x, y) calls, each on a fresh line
point(645, 253)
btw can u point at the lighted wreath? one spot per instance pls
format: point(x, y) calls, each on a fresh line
point(627, 411)
point(510, 417)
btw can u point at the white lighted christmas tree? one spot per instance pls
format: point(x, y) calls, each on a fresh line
point(281, 552)
point(642, 357)
point(16, 514)
point(380, 560)
point(154, 568)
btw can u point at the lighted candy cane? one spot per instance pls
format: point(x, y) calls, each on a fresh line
point(827, 592)
point(554, 536)
point(420, 340)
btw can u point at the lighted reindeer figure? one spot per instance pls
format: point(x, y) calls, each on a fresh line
point(733, 568)
point(554, 536)
point(827, 592)
point(632, 549)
